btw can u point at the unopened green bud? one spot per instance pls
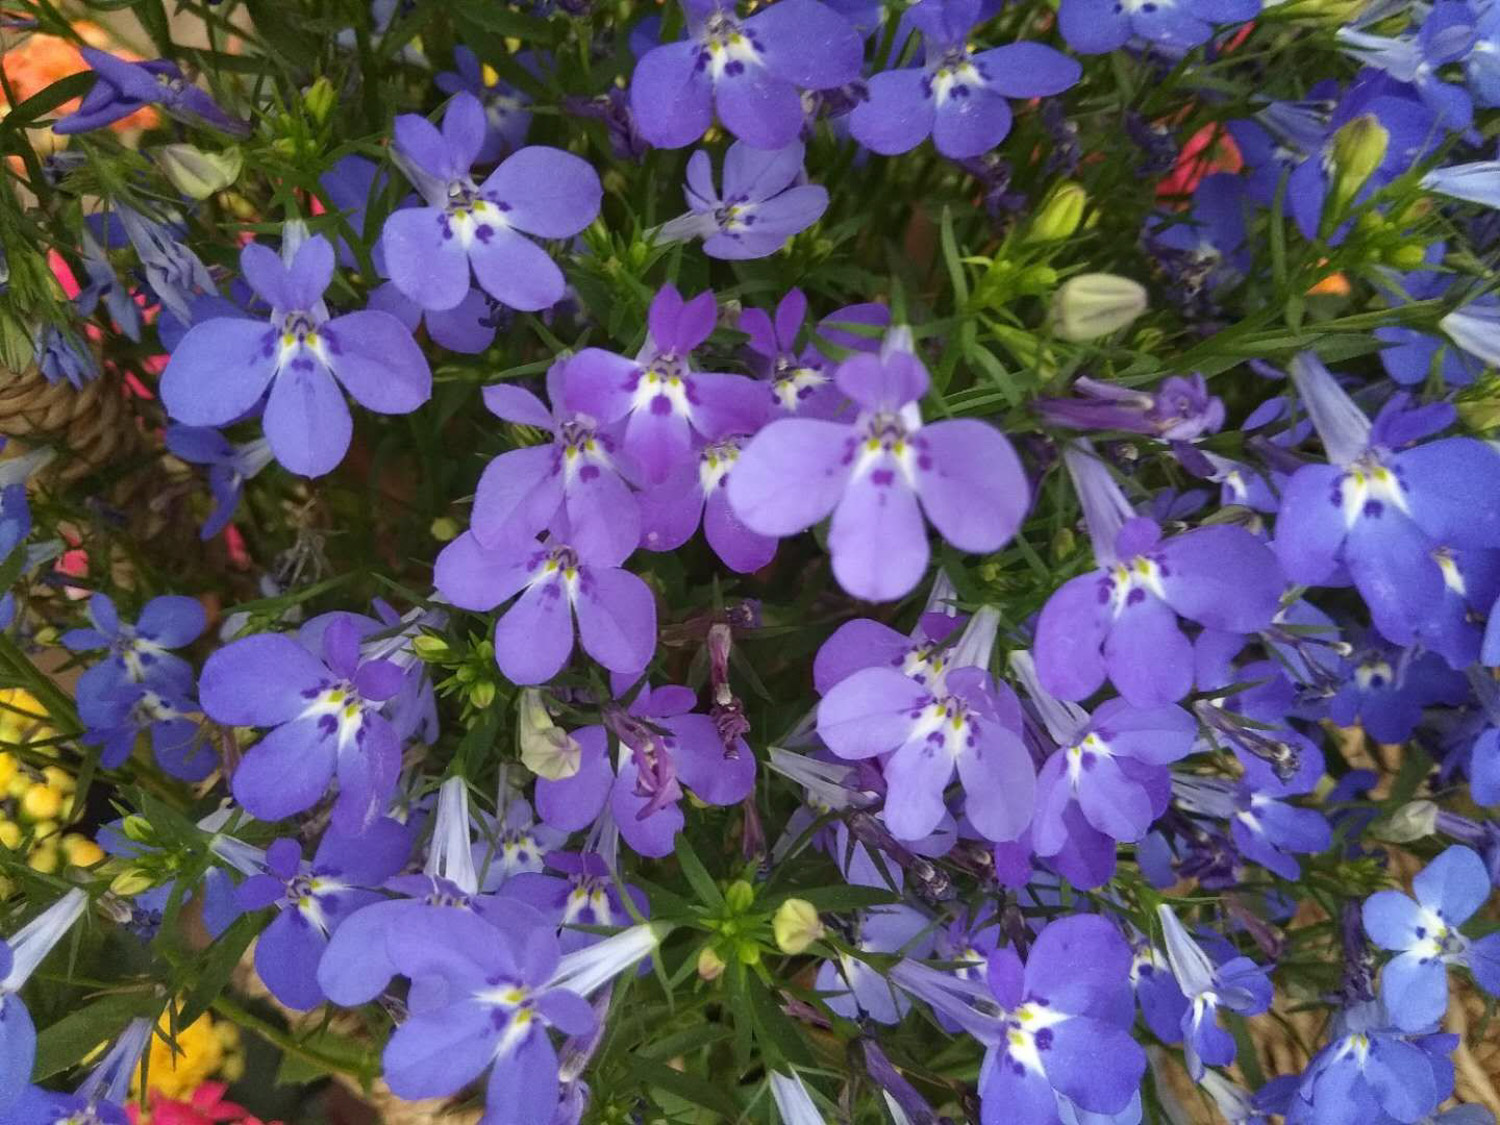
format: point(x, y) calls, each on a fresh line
point(710, 965)
point(738, 896)
point(1412, 821)
point(130, 882)
point(445, 529)
point(1409, 256)
point(748, 952)
point(319, 100)
point(198, 174)
point(1478, 406)
point(1092, 305)
point(796, 925)
point(546, 749)
point(1060, 213)
point(1064, 543)
point(482, 694)
point(429, 647)
point(138, 829)
point(1358, 150)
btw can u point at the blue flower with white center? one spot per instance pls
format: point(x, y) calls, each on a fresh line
point(230, 465)
point(100, 1098)
point(136, 654)
point(20, 955)
point(1239, 985)
point(505, 113)
point(177, 743)
point(1424, 933)
point(1093, 27)
point(765, 202)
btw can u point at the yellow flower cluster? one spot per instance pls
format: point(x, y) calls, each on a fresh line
point(33, 801)
point(205, 1050)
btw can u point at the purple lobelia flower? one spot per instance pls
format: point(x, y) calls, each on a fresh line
point(491, 992)
point(1404, 520)
point(124, 87)
point(1181, 409)
point(176, 737)
point(663, 746)
point(765, 202)
point(559, 582)
point(313, 900)
point(802, 381)
point(1108, 781)
point(104, 285)
point(965, 722)
point(1386, 688)
point(468, 327)
point(224, 365)
point(1205, 249)
point(230, 465)
point(20, 956)
point(852, 987)
point(137, 654)
point(1238, 984)
point(1121, 620)
point(698, 492)
point(100, 1098)
point(175, 274)
point(872, 473)
point(1094, 27)
point(580, 473)
point(506, 117)
point(577, 889)
point(1424, 934)
point(923, 655)
point(61, 354)
point(751, 70)
point(1263, 827)
point(662, 400)
point(957, 96)
point(539, 191)
point(325, 719)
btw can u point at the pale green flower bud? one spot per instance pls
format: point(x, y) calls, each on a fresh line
point(1060, 214)
point(796, 925)
point(546, 749)
point(1359, 148)
point(1091, 305)
point(198, 174)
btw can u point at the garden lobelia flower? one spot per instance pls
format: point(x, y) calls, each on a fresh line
point(100, 1098)
point(104, 285)
point(537, 190)
point(871, 474)
point(176, 738)
point(765, 202)
point(751, 70)
point(967, 723)
point(230, 465)
point(793, 1101)
point(1121, 620)
point(1181, 409)
point(577, 889)
point(661, 398)
point(500, 989)
point(1093, 27)
point(1238, 984)
point(136, 654)
point(325, 719)
point(802, 381)
point(20, 955)
point(1424, 934)
point(505, 114)
point(224, 365)
point(580, 473)
point(560, 582)
point(123, 87)
point(957, 96)
point(1402, 519)
point(313, 900)
point(698, 492)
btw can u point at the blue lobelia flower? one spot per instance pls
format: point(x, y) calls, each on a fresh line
point(313, 900)
point(325, 715)
point(177, 741)
point(1238, 984)
point(230, 465)
point(123, 87)
point(877, 473)
point(430, 250)
point(223, 366)
point(506, 117)
point(1180, 409)
point(581, 473)
point(1476, 182)
point(751, 70)
point(104, 285)
point(766, 201)
point(966, 723)
point(1399, 517)
point(1411, 356)
point(1121, 621)
point(1262, 825)
point(100, 1098)
point(15, 508)
point(1424, 934)
point(957, 96)
point(1093, 27)
point(173, 272)
point(1206, 249)
point(793, 1102)
point(20, 955)
point(136, 654)
point(60, 354)
point(801, 382)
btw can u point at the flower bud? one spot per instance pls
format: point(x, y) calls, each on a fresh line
point(429, 647)
point(198, 174)
point(482, 694)
point(445, 529)
point(319, 100)
point(1090, 305)
point(796, 925)
point(1478, 405)
point(546, 749)
point(81, 851)
point(7, 769)
point(710, 965)
point(130, 882)
point(1060, 213)
point(10, 834)
point(1358, 150)
point(137, 829)
point(41, 802)
point(1412, 821)
point(738, 896)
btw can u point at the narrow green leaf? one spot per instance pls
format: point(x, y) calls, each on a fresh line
point(697, 875)
point(71, 1038)
point(214, 969)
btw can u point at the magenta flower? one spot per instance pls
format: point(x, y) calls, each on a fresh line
point(558, 582)
point(538, 191)
point(751, 70)
point(872, 474)
point(663, 401)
